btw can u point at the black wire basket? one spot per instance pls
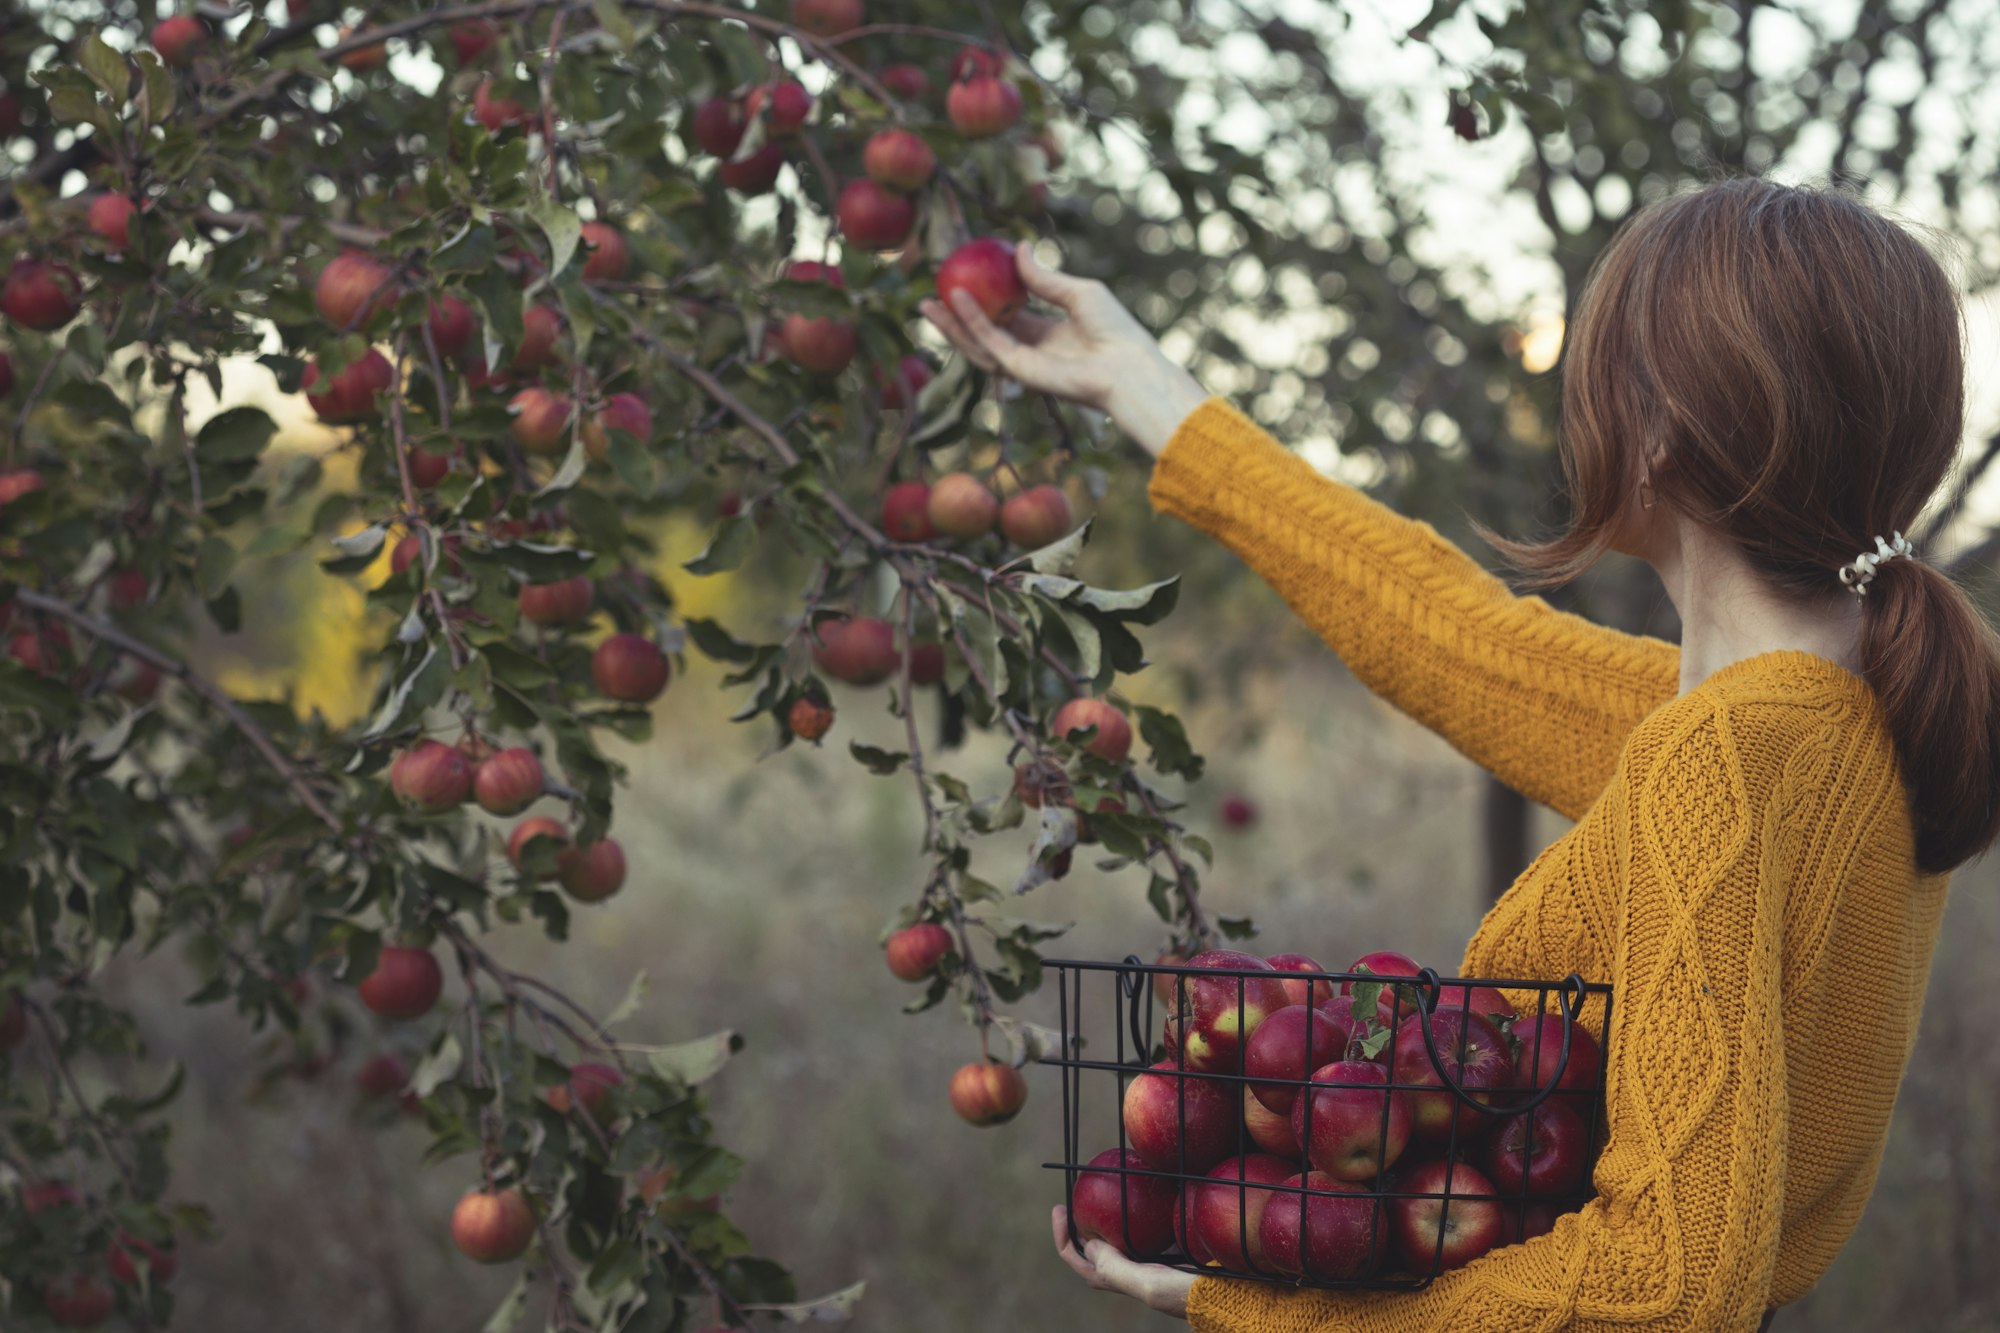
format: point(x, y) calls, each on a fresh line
point(1395, 1126)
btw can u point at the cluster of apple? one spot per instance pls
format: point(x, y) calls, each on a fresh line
point(1299, 1126)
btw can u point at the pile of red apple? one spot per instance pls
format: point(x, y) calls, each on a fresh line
point(1295, 1125)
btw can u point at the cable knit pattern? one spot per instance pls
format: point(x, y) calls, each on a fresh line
point(1742, 870)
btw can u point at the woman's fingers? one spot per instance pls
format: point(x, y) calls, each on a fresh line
point(999, 344)
point(1053, 286)
point(1059, 1223)
point(953, 328)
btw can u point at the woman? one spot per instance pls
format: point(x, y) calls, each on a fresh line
point(1760, 383)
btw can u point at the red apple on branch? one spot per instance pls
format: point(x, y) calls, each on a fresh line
point(497, 113)
point(898, 390)
point(541, 421)
point(406, 982)
point(590, 1086)
point(608, 256)
point(983, 106)
point(973, 61)
point(630, 669)
point(80, 1300)
point(593, 873)
point(178, 38)
point(899, 160)
point(110, 216)
point(809, 718)
point(381, 1076)
point(963, 506)
point(1113, 740)
point(987, 1092)
point(717, 126)
point(826, 18)
point(914, 952)
point(874, 217)
point(128, 1252)
point(351, 288)
point(537, 826)
point(621, 411)
point(906, 81)
point(540, 327)
point(350, 395)
point(39, 296)
point(564, 602)
point(493, 1226)
point(861, 651)
point(430, 777)
point(755, 174)
point(508, 782)
point(1134, 1214)
point(450, 324)
point(906, 512)
point(790, 104)
point(1036, 517)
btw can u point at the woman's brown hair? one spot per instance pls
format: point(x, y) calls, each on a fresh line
point(1797, 360)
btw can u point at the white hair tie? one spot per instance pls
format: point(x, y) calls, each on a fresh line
point(1858, 575)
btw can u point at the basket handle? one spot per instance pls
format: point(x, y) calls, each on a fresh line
point(1569, 1001)
point(1135, 984)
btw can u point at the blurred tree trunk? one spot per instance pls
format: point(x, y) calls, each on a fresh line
point(1506, 825)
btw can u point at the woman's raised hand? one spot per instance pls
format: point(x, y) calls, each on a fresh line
point(1097, 355)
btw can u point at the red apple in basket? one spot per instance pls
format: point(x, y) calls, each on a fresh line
point(1358, 1126)
point(1542, 1053)
point(1451, 1230)
point(1178, 1121)
point(1345, 1233)
point(1546, 1150)
point(1302, 991)
point(1475, 1054)
point(1134, 1213)
point(1224, 1010)
point(1269, 1130)
point(1289, 1045)
point(1227, 1210)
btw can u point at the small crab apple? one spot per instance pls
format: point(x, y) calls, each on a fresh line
point(431, 777)
point(496, 113)
point(914, 952)
point(525, 832)
point(809, 718)
point(540, 327)
point(874, 217)
point(899, 388)
point(963, 506)
point(1238, 812)
point(630, 668)
point(426, 468)
point(1036, 517)
point(973, 61)
point(493, 1226)
point(755, 174)
point(178, 38)
point(718, 126)
point(927, 667)
point(564, 602)
point(381, 1076)
point(352, 287)
point(541, 420)
point(350, 395)
point(987, 1092)
point(590, 1087)
point(40, 296)
point(621, 411)
point(861, 651)
point(110, 216)
point(508, 782)
point(899, 160)
point(406, 982)
point(1113, 740)
point(450, 324)
point(983, 105)
point(906, 512)
point(790, 105)
point(609, 256)
point(909, 82)
point(593, 873)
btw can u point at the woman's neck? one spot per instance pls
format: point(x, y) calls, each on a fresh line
point(1729, 613)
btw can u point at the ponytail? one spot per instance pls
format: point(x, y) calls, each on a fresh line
point(1934, 664)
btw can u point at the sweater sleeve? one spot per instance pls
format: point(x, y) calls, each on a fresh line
point(1683, 1231)
point(1540, 698)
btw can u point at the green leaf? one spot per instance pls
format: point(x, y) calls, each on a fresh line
point(233, 435)
point(471, 250)
point(882, 763)
point(214, 562)
point(562, 226)
point(695, 1062)
point(357, 550)
point(717, 643)
point(437, 1068)
point(834, 1308)
point(726, 549)
point(611, 17)
point(512, 1309)
point(413, 694)
point(1168, 739)
point(635, 995)
point(106, 68)
point(1059, 557)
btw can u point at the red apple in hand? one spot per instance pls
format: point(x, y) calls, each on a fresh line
point(1433, 1234)
point(1302, 992)
point(1291, 1044)
point(1485, 1066)
point(405, 983)
point(1544, 1149)
point(985, 269)
point(1134, 1214)
point(493, 1226)
point(1344, 1233)
point(1356, 1128)
point(1177, 1121)
point(915, 951)
point(1226, 1211)
point(1224, 1011)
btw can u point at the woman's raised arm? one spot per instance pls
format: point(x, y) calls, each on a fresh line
point(1540, 698)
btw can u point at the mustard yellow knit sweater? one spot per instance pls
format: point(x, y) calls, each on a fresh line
point(1741, 871)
